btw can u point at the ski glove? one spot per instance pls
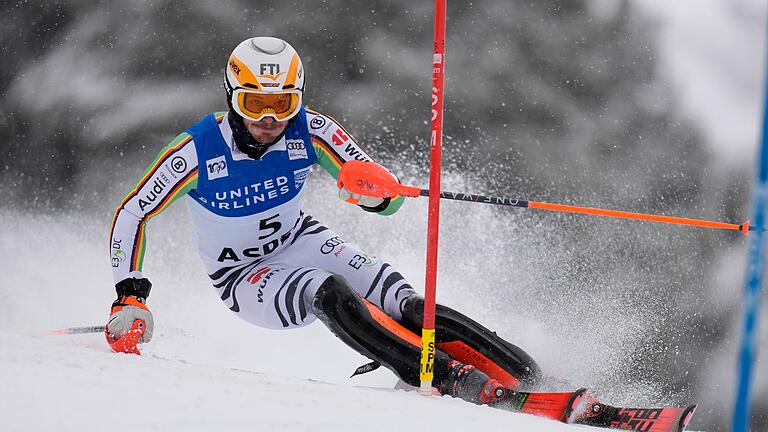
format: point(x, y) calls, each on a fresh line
point(356, 172)
point(130, 306)
point(361, 200)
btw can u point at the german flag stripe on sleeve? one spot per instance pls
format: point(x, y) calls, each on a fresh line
point(164, 155)
point(138, 246)
point(179, 190)
point(174, 146)
point(327, 150)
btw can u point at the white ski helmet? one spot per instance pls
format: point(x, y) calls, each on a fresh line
point(264, 77)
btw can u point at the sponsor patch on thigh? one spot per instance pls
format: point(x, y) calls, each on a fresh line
point(361, 260)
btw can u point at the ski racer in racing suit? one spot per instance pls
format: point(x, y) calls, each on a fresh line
point(242, 174)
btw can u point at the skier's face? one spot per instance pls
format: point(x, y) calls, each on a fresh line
point(266, 130)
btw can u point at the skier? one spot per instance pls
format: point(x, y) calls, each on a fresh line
point(243, 174)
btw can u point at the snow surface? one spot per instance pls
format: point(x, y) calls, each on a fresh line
point(74, 383)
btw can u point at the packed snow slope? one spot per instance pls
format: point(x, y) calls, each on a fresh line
point(76, 384)
point(207, 370)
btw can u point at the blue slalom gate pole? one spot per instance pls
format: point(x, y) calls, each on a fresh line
point(754, 282)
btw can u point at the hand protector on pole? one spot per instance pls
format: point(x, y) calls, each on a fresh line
point(127, 343)
point(370, 179)
point(351, 174)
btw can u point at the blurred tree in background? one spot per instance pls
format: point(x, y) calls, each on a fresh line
point(554, 100)
point(545, 83)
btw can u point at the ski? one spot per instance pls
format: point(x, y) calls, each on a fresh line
point(556, 406)
point(669, 419)
point(553, 405)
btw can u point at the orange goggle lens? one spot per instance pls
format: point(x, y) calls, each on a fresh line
point(255, 106)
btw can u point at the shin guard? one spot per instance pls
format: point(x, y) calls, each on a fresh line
point(469, 342)
point(368, 330)
point(374, 334)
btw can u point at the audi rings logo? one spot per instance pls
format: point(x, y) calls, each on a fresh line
point(331, 244)
point(295, 145)
point(317, 122)
point(178, 164)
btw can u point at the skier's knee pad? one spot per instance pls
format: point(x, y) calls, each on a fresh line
point(330, 296)
point(469, 342)
point(367, 329)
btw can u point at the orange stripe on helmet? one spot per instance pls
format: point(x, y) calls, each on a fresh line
point(293, 69)
point(243, 74)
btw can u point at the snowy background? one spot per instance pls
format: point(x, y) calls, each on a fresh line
point(646, 106)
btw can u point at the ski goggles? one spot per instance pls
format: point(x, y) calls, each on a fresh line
point(255, 105)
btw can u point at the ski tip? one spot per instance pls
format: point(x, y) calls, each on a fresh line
point(686, 417)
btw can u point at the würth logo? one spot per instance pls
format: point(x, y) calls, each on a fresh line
point(254, 278)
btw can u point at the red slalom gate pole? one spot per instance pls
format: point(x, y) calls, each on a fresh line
point(427, 364)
